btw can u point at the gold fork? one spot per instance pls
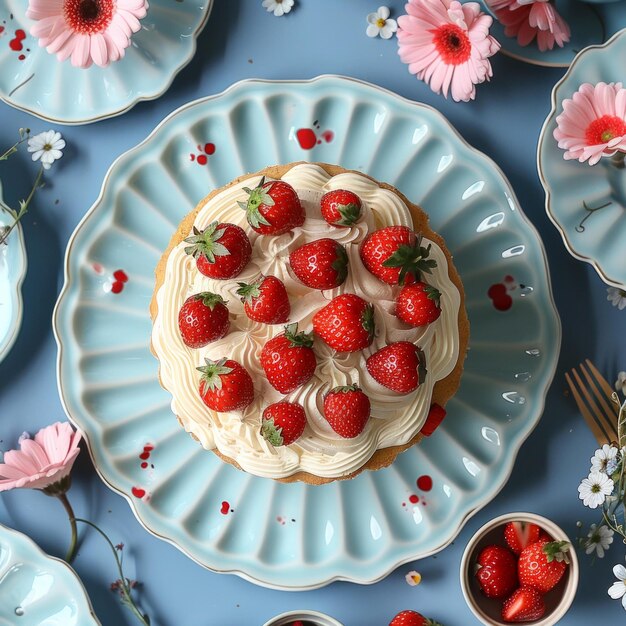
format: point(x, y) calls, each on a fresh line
point(594, 398)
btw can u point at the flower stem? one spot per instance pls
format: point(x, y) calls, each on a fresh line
point(23, 208)
point(126, 592)
point(71, 551)
point(618, 160)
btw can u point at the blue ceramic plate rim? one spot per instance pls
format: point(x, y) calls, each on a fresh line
point(45, 561)
point(502, 472)
point(544, 136)
point(6, 343)
point(41, 114)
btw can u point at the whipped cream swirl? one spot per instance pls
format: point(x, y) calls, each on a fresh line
point(320, 451)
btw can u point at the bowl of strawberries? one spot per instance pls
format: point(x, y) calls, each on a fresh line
point(302, 618)
point(519, 567)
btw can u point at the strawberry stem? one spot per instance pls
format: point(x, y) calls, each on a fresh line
point(298, 340)
point(411, 259)
point(211, 373)
point(206, 243)
point(257, 197)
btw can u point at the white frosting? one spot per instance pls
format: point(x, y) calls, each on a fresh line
point(395, 418)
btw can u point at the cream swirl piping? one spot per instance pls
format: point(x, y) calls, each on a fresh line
point(395, 418)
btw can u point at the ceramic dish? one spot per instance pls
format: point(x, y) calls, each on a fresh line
point(587, 204)
point(33, 80)
point(310, 618)
point(12, 273)
point(296, 536)
point(37, 589)
point(589, 24)
point(488, 610)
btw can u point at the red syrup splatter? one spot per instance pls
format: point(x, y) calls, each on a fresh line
point(16, 43)
point(425, 483)
point(308, 138)
point(413, 499)
point(21, 57)
point(138, 492)
point(225, 510)
point(97, 268)
point(120, 277)
point(145, 455)
point(1, 29)
point(500, 299)
point(201, 159)
point(144, 465)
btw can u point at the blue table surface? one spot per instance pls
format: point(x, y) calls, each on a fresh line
point(242, 41)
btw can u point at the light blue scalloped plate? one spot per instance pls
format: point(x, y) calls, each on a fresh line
point(574, 190)
point(297, 536)
point(12, 273)
point(37, 589)
point(591, 22)
point(33, 80)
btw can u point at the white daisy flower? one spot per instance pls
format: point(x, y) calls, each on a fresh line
point(620, 383)
point(618, 589)
point(278, 7)
point(617, 297)
point(598, 540)
point(594, 489)
point(47, 147)
point(602, 457)
point(379, 24)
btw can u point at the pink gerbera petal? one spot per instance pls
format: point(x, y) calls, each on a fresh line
point(593, 122)
point(86, 31)
point(447, 45)
point(42, 461)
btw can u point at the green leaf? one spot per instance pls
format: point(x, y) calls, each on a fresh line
point(367, 320)
point(210, 299)
point(211, 373)
point(340, 264)
point(557, 551)
point(272, 433)
point(250, 291)
point(298, 340)
point(411, 259)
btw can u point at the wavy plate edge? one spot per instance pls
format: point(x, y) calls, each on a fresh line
point(47, 557)
point(542, 177)
point(515, 444)
point(151, 96)
point(17, 287)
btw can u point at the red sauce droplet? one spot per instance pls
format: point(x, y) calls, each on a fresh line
point(502, 301)
point(16, 44)
point(328, 136)
point(306, 138)
point(192, 157)
point(120, 275)
point(148, 448)
point(225, 508)
point(425, 483)
point(144, 456)
point(413, 499)
point(144, 465)
point(201, 159)
point(21, 57)
point(138, 492)
point(209, 148)
point(1, 29)
point(117, 286)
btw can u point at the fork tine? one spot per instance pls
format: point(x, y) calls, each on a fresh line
point(608, 418)
point(582, 407)
point(608, 391)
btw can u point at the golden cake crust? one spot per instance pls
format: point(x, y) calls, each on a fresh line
point(443, 389)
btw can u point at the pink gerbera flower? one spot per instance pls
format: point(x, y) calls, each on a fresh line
point(42, 462)
point(593, 122)
point(447, 45)
point(528, 21)
point(86, 31)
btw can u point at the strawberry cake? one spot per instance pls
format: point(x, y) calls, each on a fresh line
point(308, 323)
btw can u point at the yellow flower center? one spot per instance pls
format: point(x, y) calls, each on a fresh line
point(380, 22)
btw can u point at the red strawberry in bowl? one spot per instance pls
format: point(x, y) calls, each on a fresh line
point(265, 300)
point(346, 323)
point(399, 366)
point(341, 208)
point(412, 618)
point(518, 535)
point(496, 571)
point(283, 423)
point(347, 410)
point(273, 207)
point(203, 318)
point(418, 304)
point(288, 359)
point(320, 264)
point(525, 605)
point(396, 256)
point(221, 250)
point(542, 564)
point(225, 385)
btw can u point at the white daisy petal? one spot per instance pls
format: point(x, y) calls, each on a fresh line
point(617, 590)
